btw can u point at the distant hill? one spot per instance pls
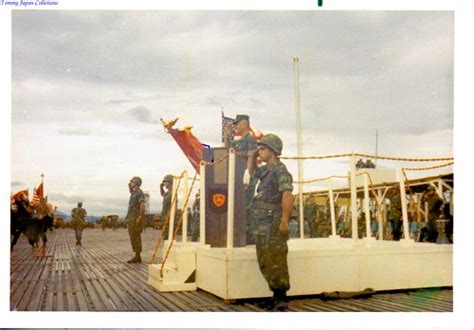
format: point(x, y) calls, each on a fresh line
point(62, 215)
point(67, 217)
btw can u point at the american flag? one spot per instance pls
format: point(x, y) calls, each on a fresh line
point(225, 122)
point(38, 194)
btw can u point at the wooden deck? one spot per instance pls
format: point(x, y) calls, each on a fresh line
point(96, 277)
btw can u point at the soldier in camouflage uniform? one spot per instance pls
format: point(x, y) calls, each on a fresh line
point(310, 217)
point(271, 211)
point(395, 215)
point(195, 224)
point(135, 217)
point(78, 215)
point(244, 147)
point(435, 209)
point(247, 144)
point(167, 199)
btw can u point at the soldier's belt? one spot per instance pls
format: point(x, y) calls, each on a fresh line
point(267, 206)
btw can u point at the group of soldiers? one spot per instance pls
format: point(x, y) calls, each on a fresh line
point(33, 219)
point(317, 220)
point(268, 209)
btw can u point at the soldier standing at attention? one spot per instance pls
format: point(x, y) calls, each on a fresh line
point(135, 216)
point(167, 198)
point(271, 211)
point(195, 225)
point(103, 222)
point(78, 215)
point(244, 147)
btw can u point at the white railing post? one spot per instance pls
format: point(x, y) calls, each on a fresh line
point(331, 207)
point(299, 144)
point(230, 200)
point(403, 199)
point(202, 203)
point(381, 203)
point(366, 206)
point(174, 198)
point(185, 207)
point(353, 198)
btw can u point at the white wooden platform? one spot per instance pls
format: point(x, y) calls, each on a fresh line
point(321, 264)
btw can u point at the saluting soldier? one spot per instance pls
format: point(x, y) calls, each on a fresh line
point(271, 211)
point(135, 217)
point(244, 147)
point(78, 215)
point(167, 199)
point(247, 144)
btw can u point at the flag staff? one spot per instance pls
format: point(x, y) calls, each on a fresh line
point(376, 146)
point(298, 144)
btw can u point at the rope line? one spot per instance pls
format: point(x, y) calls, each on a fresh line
point(316, 157)
point(426, 168)
point(372, 156)
point(321, 179)
point(165, 225)
point(220, 160)
point(360, 173)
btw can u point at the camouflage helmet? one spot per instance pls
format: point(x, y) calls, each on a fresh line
point(137, 180)
point(168, 178)
point(273, 142)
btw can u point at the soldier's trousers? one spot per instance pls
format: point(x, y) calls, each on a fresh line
point(135, 233)
point(272, 249)
point(78, 232)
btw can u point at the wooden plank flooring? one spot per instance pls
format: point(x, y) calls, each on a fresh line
point(96, 277)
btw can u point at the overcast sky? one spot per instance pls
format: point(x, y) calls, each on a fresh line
point(89, 88)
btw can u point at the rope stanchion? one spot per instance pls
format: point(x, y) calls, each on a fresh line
point(177, 226)
point(372, 190)
point(412, 198)
point(165, 225)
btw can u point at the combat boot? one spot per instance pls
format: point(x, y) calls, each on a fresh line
point(135, 260)
point(267, 304)
point(281, 301)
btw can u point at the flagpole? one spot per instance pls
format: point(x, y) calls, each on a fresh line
point(376, 146)
point(298, 143)
point(42, 177)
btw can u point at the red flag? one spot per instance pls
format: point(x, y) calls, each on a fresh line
point(16, 196)
point(38, 194)
point(189, 144)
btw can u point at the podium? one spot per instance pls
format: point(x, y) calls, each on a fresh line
point(217, 199)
